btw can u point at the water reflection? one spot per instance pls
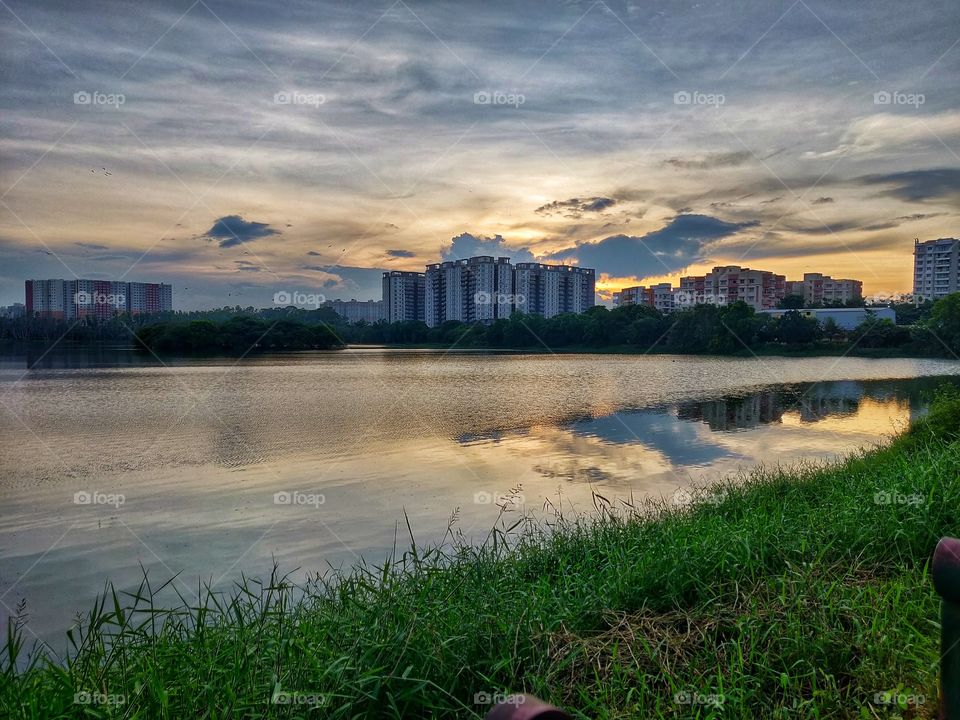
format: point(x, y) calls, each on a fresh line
point(200, 448)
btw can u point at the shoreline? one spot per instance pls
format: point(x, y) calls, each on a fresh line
point(802, 587)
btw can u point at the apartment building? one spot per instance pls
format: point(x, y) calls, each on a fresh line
point(403, 296)
point(635, 295)
point(477, 289)
point(353, 311)
point(818, 288)
point(760, 289)
point(936, 268)
point(73, 299)
point(550, 290)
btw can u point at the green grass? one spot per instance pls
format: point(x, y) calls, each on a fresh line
point(797, 593)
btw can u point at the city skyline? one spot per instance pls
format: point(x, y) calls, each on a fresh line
point(237, 148)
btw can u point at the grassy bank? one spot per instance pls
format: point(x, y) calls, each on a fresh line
point(801, 593)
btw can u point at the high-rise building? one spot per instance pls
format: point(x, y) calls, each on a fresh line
point(549, 290)
point(936, 268)
point(72, 299)
point(819, 288)
point(403, 296)
point(484, 288)
point(477, 289)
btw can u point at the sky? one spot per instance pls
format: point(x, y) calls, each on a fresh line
point(245, 148)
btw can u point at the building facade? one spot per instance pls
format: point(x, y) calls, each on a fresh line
point(485, 288)
point(819, 288)
point(73, 299)
point(550, 290)
point(477, 289)
point(936, 268)
point(354, 311)
point(403, 296)
point(760, 289)
point(636, 295)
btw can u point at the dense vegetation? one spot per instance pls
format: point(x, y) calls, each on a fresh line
point(239, 334)
point(789, 593)
point(933, 330)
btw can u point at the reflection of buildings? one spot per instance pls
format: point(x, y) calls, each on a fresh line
point(735, 413)
point(836, 398)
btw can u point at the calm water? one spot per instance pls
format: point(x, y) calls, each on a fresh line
point(183, 462)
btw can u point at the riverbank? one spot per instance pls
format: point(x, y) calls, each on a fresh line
point(801, 592)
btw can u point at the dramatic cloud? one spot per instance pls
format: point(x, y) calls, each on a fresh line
point(575, 207)
point(467, 245)
point(231, 230)
point(400, 155)
point(671, 248)
point(918, 185)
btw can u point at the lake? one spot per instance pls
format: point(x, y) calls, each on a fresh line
point(215, 467)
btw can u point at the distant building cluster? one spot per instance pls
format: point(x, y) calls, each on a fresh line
point(726, 284)
point(484, 288)
point(72, 299)
point(354, 311)
point(936, 268)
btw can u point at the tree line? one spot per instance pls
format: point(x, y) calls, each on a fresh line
point(929, 329)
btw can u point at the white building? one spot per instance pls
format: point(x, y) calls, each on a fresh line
point(403, 296)
point(936, 268)
point(477, 289)
point(550, 290)
point(845, 318)
point(369, 311)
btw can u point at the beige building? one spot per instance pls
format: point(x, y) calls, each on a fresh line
point(819, 288)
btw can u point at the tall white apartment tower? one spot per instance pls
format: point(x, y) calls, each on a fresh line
point(476, 289)
point(403, 296)
point(936, 268)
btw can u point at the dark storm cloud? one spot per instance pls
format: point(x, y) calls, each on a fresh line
point(675, 246)
point(917, 185)
point(466, 245)
point(575, 207)
point(231, 230)
point(710, 161)
point(401, 253)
